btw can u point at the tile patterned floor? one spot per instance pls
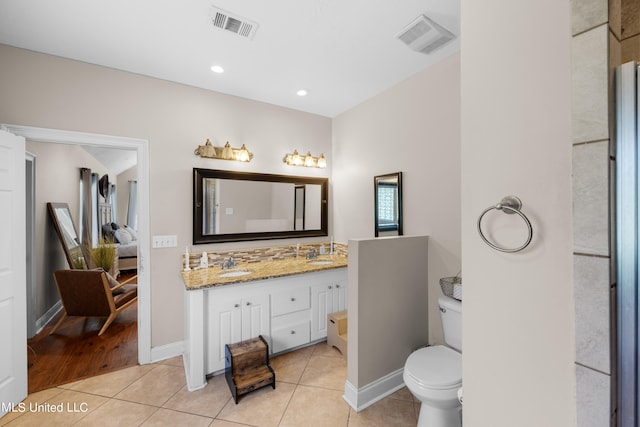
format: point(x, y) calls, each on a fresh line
point(309, 389)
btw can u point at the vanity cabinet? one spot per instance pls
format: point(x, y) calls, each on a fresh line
point(230, 320)
point(326, 298)
point(289, 312)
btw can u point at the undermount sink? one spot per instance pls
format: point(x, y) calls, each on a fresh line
point(234, 273)
point(321, 262)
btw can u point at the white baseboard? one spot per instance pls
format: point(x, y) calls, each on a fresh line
point(366, 396)
point(46, 318)
point(167, 351)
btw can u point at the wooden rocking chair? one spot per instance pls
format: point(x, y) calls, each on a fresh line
point(88, 293)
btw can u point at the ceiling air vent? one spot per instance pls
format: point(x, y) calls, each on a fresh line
point(423, 35)
point(233, 23)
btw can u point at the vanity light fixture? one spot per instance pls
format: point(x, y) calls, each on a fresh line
point(295, 159)
point(227, 152)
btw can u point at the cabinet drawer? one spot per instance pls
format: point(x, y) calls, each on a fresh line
point(291, 336)
point(289, 301)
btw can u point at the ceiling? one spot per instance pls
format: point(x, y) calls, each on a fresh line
point(341, 51)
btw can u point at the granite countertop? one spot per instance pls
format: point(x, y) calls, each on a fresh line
point(210, 277)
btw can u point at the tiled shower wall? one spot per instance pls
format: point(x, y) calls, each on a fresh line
point(605, 35)
point(594, 286)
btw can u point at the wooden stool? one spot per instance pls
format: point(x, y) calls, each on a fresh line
point(247, 366)
point(337, 331)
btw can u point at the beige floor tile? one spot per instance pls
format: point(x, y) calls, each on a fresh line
point(322, 349)
point(118, 413)
point(316, 407)
point(156, 387)
point(222, 423)
point(112, 383)
point(290, 366)
point(327, 372)
point(174, 361)
point(34, 398)
point(62, 409)
point(387, 412)
point(403, 394)
point(207, 402)
point(263, 407)
point(166, 417)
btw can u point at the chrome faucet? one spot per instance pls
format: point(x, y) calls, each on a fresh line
point(229, 264)
point(312, 255)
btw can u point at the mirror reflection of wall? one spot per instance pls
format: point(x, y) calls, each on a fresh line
point(298, 213)
point(388, 204)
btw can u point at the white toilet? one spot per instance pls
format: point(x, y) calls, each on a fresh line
point(434, 374)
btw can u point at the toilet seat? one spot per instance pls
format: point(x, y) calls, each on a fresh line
point(437, 367)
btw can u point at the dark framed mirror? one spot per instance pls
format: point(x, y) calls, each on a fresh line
point(231, 206)
point(388, 204)
point(63, 223)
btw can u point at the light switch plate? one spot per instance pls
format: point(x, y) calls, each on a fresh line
point(164, 241)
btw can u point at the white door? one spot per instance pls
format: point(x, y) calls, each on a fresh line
point(13, 288)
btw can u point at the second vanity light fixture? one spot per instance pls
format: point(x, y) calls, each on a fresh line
point(223, 153)
point(309, 161)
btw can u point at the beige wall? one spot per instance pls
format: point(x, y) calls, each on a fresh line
point(387, 309)
point(518, 329)
point(46, 91)
point(414, 128)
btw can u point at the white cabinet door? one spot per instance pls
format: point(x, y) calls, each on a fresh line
point(256, 317)
point(339, 297)
point(326, 299)
point(224, 326)
point(321, 306)
point(231, 320)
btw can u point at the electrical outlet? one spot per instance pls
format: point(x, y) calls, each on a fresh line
point(164, 241)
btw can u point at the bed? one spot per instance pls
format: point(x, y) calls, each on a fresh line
point(127, 240)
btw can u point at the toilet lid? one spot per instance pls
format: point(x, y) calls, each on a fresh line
point(436, 367)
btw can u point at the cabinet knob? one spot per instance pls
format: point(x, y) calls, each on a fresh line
point(293, 299)
point(236, 305)
point(337, 286)
point(330, 287)
point(248, 303)
point(293, 332)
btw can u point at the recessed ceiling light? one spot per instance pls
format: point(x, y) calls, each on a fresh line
point(217, 69)
point(301, 92)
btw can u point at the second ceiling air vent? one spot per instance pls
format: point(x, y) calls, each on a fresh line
point(227, 21)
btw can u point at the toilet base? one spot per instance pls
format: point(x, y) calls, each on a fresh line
point(438, 417)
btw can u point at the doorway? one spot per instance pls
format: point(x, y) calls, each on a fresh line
point(140, 146)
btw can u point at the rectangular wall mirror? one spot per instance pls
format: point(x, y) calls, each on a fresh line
point(234, 206)
point(63, 223)
point(388, 204)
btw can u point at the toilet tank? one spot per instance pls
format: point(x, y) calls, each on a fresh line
point(451, 315)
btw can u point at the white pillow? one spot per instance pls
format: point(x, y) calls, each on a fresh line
point(122, 236)
point(134, 233)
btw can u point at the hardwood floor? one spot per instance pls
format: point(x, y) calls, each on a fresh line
point(75, 351)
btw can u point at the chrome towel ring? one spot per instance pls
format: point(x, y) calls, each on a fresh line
point(509, 205)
